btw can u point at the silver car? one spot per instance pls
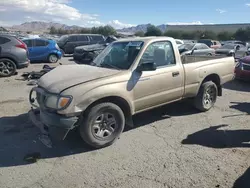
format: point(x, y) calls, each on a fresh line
point(231, 49)
point(196, 49)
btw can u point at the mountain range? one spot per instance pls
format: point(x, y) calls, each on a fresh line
point(38, 26)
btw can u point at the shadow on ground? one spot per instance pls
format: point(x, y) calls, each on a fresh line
point(18, 137)
point(243, 181)
point(241, 106)
point(214, 138)
point(238, 85)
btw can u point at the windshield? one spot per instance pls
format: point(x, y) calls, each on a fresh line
point(119, 55)
point(62, 38)
point(207, 42)
point(227, 46)
point(186, 46)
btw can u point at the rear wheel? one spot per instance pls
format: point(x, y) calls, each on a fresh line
point(102, 125)
point(53, 58)
point(206, 97)
point(7, 67)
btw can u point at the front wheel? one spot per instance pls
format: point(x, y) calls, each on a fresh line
point(206, 97)
point(53, 58)
point(102, 125)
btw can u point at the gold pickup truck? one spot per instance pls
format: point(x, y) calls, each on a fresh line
point(130, 76)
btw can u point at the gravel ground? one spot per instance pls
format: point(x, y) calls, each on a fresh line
point(173, 146)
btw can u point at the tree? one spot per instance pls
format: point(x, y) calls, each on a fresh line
point(174, 34)
point(53, 30)
point(224, 35)
point(139, 33)
point(208, 35)
point(242, 34)
point(153, 31)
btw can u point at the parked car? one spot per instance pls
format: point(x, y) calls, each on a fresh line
point(67, 43)
point(236, 42)
point(43, 50)
point(231, 49)
point(126, 78)
point(242, 69)
point(13, 55)
point(210, 43)
point(179, 42)
point(195, 49)
point(86, 54)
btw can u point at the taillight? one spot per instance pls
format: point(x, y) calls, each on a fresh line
point(57, 47)
point(21, 45)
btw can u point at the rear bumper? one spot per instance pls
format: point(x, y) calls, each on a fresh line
point(59, 54)
point(21, 65)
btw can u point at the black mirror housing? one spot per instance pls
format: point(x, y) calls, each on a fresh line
point(147, 66)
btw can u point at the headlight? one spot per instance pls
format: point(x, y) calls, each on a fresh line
point(57, 102)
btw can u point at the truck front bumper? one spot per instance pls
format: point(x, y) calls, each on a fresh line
point(50, 122)
point(45, 119)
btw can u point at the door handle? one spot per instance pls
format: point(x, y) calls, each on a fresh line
point(174, 74)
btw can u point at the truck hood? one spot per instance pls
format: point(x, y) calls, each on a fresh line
point(66, 76)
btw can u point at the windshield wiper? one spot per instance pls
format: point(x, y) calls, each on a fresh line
point(109, 65)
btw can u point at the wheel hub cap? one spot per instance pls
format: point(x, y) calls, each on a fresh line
point(104, 125)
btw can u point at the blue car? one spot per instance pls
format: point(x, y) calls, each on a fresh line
point(43, 50)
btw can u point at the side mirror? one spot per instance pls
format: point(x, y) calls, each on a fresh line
point(147, 66)
point(237, 48)
point(193, 51)
point(106, 44)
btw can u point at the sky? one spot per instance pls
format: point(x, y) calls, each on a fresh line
point(120, 14)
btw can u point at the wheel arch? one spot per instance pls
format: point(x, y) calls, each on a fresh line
point(119, 101)
point(216, 79)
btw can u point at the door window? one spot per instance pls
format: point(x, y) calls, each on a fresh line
point(72, 38)
point(83, 38)
point(40, 43)
point(161, 53)
point(28, 43)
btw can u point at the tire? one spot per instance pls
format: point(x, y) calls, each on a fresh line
point(52, 58)
point(201, 101)
point(7, 67)
point(92, 123)
point(209, 54)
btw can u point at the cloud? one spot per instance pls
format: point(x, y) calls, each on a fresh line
point(248, 4)
point(220, 11)
point(119, 25)
point(185, 23)
point(18, 11)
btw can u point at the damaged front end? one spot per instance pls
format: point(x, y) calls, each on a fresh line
point(44, 112)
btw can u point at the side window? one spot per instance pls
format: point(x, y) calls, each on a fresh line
point(97, 38)
point(198, 46)
point(204, 47)
point(39, 43)
point(82, 38)
point(161, 53)
point(72, 38)
point(28, 43)
point(4, 40)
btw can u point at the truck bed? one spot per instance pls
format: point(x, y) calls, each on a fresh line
point(193, 58)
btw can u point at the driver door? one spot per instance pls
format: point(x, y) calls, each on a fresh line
point(163, 85)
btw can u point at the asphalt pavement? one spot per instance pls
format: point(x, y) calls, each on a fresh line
point(174, 146)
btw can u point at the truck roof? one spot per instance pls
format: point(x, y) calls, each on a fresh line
point(146, 39)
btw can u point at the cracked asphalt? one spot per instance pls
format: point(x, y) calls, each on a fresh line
point(174, 146)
